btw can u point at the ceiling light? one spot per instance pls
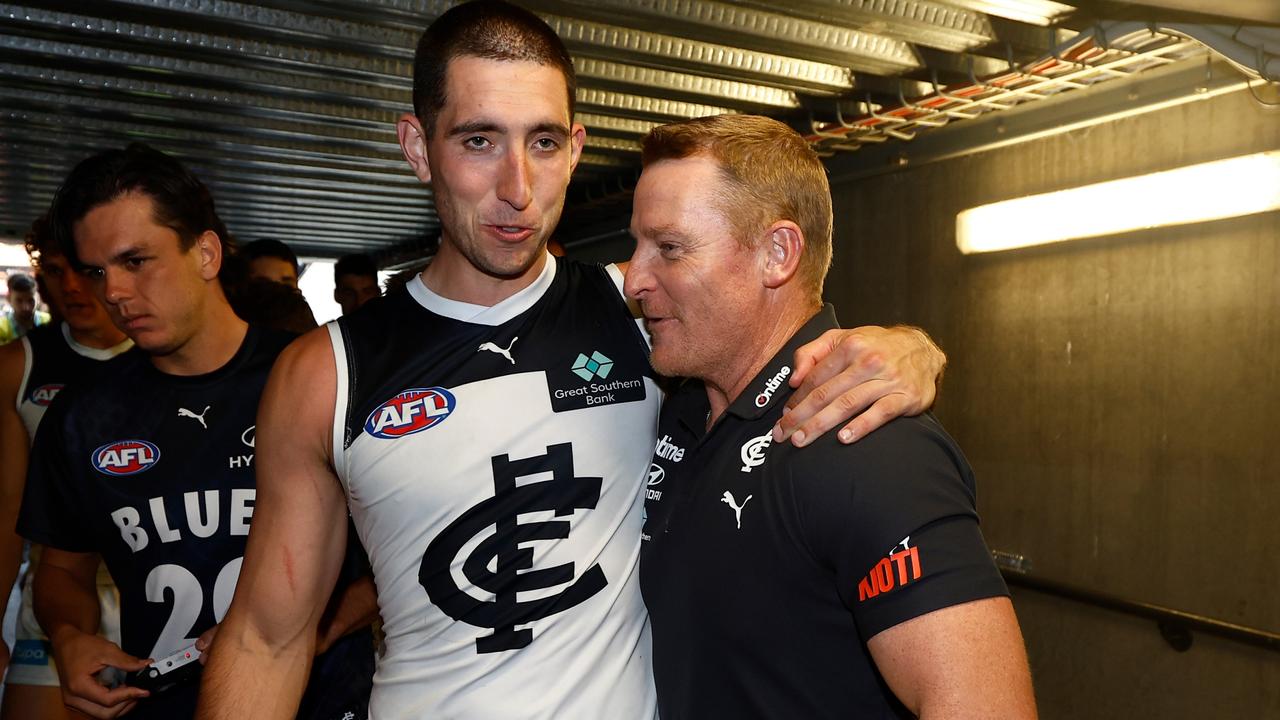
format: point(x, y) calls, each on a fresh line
point(1210, 191)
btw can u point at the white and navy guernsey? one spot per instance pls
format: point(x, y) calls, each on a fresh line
point(493, 459)
point(766, 568)
point(155, 472)
point(52, 360)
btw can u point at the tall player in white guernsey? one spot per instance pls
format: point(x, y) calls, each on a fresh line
point(489, 428)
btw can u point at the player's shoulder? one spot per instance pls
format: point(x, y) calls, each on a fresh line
point(302, 356)
point(905, 455)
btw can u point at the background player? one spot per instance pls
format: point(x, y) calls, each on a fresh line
point(154, 469)
point(32, 372)
point(465, 406)
point(22, 316)
point(271, 260)
point(355, 281)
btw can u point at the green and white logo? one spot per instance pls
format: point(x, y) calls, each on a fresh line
point(598, 365)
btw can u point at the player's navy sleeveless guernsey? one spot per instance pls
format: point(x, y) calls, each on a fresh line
point(155, 472)
point(53, 360)
point(493, 458)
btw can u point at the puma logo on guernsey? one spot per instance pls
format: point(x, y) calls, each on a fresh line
point(727, 499)
point(504, 352)
point(185, 413)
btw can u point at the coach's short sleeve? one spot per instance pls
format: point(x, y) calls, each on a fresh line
point(893, 517)
point(50, 514)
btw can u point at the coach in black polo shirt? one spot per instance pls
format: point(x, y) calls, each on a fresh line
point(829, 581)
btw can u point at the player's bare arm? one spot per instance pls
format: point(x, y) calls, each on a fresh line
point(262, 654)
point(868, 375)
point(13, 473)
point(66, 604)
point(962, 662)
point(356, 608)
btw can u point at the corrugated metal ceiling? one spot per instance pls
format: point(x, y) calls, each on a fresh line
point(287, 108)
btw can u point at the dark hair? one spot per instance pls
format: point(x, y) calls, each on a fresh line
point(21, 282)
point(488, 29)
point(355, 264)
point(272, 305)
point(181, 202)
point(40, 241)
point(269, 248)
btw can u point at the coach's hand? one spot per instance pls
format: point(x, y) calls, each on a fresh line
point(870, 374)
point(80, 657)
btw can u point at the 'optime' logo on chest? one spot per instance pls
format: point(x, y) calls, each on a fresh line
point(409, 412)
point(45, 394)
point(125, 457)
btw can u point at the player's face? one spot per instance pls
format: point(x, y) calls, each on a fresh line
point(153, 289)
point(500, 158)
point(694, 281)
point(70, 295)
point(352, 291)
point(23, 303)
point(277, 270)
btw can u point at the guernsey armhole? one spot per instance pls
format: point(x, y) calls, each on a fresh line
point(340, 403)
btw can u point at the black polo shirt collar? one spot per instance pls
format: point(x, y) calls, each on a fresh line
point(770, 387)
point(766, 390)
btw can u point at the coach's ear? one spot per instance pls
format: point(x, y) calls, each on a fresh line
point(413, 143)
point(781, 250)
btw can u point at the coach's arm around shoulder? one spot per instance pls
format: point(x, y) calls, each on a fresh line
point(261, 657)
point(964, 662)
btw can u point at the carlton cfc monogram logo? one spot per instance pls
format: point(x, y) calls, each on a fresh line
point(409, 412)
point(513, 565)
point(125, 457)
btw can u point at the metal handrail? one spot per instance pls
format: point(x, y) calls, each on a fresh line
point(1175, 625)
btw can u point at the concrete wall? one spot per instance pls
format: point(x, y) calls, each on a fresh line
point(1119, 399)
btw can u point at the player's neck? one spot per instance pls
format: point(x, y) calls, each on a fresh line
point(451, 275)
point(217, 340)
point(99, 337)
point(768, 337)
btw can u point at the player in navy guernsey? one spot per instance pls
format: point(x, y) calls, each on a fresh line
point(33, 371)
point(153, 469)
point(831, 581)
point(488, 426)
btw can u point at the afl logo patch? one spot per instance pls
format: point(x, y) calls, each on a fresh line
point(409, 412)
point(45, 394)
point(126, 457)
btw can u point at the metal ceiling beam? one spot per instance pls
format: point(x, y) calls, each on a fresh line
point(1032, 12)
point(915, 21)
point(751, 28)
point(1175, 84)
point(254, 20)
point(696, 88)
point(643, 107)
point(71, 38)
point(671, 52)
point(144, 28)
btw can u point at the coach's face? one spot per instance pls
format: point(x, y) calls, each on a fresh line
point(498, 160)
point(153, 289)
point(697, 285)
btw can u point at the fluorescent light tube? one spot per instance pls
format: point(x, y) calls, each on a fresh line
point(1210, 191)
